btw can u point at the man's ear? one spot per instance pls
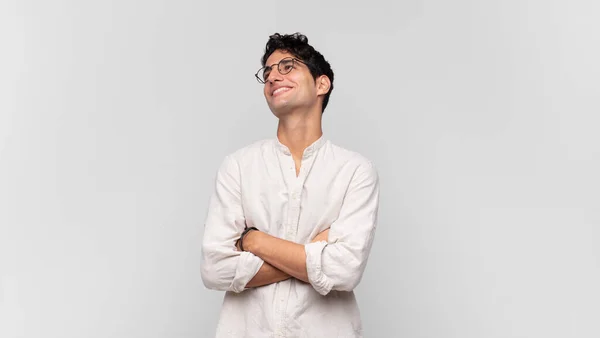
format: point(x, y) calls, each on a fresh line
point(323, 85)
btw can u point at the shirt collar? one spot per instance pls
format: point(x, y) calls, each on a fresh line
point(311, 149)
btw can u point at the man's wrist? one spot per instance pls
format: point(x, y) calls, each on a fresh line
point(250, 241)
point(240, 242)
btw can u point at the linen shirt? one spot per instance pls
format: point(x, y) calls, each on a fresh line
point(257, 186)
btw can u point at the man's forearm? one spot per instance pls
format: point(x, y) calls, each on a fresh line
point(289, 257)
point(267, 274)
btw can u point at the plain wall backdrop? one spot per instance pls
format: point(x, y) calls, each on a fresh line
point(481, 116)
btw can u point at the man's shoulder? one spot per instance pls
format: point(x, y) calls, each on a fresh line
point(251, 150)
point(363, 168)
point(349, 156)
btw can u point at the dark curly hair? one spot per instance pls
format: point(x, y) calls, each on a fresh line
point(297, 45)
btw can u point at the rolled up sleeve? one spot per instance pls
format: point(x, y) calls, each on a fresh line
point(339, 263)
point(223, 267)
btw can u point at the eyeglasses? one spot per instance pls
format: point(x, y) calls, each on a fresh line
point(284, 66)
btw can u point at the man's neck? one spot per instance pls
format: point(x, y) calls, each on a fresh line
point(299, 132)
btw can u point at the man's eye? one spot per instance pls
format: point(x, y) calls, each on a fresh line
point(288, 67)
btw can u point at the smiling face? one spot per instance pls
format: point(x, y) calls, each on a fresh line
point(294, 90)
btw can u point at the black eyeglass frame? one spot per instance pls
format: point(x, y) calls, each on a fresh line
point(262, 81)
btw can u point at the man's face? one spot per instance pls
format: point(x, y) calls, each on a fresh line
point(295, 89)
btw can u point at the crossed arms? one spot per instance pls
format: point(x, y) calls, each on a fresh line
point(293, 263)
point(334, 260)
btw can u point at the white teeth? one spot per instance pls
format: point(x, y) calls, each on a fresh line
point(279, 90)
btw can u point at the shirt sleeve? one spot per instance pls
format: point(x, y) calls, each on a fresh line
point(339, 263)
point(223, 267)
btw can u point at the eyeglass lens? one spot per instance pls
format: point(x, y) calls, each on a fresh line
point(284, 66)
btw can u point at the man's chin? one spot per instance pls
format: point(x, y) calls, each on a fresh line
point(280, 110)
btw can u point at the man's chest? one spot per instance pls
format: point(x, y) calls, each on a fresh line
point(293, 205)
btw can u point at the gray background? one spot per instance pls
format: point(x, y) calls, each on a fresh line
point(482, 117)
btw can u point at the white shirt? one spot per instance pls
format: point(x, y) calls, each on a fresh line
point(257, 186)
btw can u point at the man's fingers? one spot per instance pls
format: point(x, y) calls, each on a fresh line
point(322, 236)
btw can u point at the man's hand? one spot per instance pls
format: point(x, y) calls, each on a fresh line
point(322, 236)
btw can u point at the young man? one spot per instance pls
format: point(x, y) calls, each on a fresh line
point(292, 219)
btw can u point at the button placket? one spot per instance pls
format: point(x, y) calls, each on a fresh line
point(296, 200)
point(281, 294)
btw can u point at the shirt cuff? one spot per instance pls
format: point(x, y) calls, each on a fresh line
point(247, 267)
point(319, 281)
